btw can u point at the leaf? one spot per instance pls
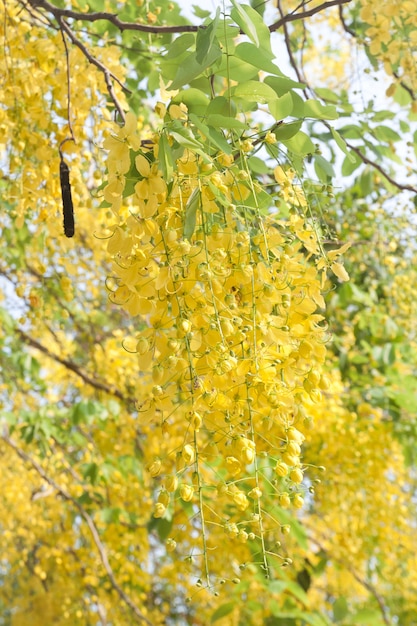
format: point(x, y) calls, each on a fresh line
point(340, 609)
point(327, 94)
point(316, 110)
point(110, 515)
point(212, 134)
point(190, 69)
point(205, 39)
point(282, 84)
point(323, 168)
point(351, 163)
point(300, 144)
point(195, 100)
point(193, 204)
point(281, 107)
point(252, 24)
point(286, 131)
point(255, 91)
point(368, 617)
point(256, 56)
point(166, 161)
point(385, 133)
point(342, 145)
point(186, 139)
point(222, 611)
point(179, 45)
point(221, 121)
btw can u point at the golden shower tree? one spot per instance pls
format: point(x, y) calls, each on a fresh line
point(204, 420)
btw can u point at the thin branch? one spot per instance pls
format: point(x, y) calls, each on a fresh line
point(291, 17)
point(108, 75)
point(179, 28)
point(361, 581)
point(375, 165)
point(353, 34)
point(293, 62)
point(113, 19)
point(93, 382)
point(68, 86)
point(90, 523)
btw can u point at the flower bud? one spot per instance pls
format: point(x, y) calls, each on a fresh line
point(159, 510)
point(188, 454)
point(281, 469)
point(296, 475)
point(186, 492)
point(154, 468)
point(171, 483)
point(284, 500)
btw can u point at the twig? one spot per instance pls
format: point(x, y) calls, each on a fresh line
point(178, 28)
point(97, 384)
point(361, 581)
point(68, 89)
point(291, 17)
point(375, 165)
point(108, 75)
point(90, 523)
point(294, 65)
point(353, 33)
point(113, 19)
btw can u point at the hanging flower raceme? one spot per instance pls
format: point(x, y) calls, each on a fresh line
point(230, 336)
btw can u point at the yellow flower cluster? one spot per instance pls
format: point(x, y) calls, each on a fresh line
point(393, 38)
point(229, 337)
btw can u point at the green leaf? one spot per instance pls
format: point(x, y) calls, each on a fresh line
point(258, 166)
point(110, 515)
point(256, 56)
point(234, 68)
point(222, 611)
point(286, 131)
point(385, 133)
point(282, 84)
point(342, 145)
point(189, 69)
point(205, 39)
point(323, 168)
point(198, 12)
point(166, 161)
point(281, 107)
point(252, 24)
point(162, 525)
point(316, 110)
point(351, 163)
point(367, 617)
point(213, 135)
point(327, 94)
point(90, 471)
point(300, 144)
point(221, 121)
point(221, 106)
point(195, 100)
point(186, 139)
point(193, 204)
point(179, 45)
point(340, 609)
point(254, 91)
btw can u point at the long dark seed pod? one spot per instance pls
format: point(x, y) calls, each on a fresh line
point(67, 205)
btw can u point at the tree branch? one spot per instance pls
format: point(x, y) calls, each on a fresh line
point(93, 382)
point(375, 165)
point(291, 17)
point(90, 523)
point(108, 75)
point(112, 18)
